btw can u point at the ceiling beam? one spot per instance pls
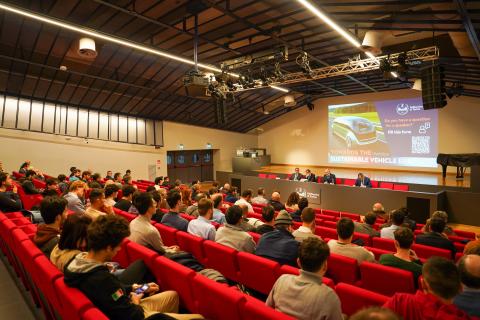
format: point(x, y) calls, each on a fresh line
point(468, 25)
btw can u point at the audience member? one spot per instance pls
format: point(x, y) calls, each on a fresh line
point(125, 203)
point(75, 196)
point(201, 226)
point(441, 283)
point(54, 212)
point(212, 191)
point(86, 176)
point(307, 229)
point(231, 235)
point(127, 180)
point(158, 183)
point(117, 178)
point(405, 258)
point(96, 181)
point(172, 218)
point(363, 181)
point(245, 223)
point(132, 208)
point(379, 211)
point(192, 210)
point(444, 216)
point(9, 200)
point(292, 201)
point(469, 299)
point(280, 245)
point(109, 175)
point(296, 176)
point(397, 218)
point(141, 229)
point(28, 185)
point(305, 296)
point(344, 246)
point(374, 313)
point(111, 193)
point(51, 188)
point(367, 226)
point(186, 201)
point(302, 204)
point(62, 184)
point(166, 182)
point(195, 190)
point(268, 215)
point(24, 167)
point(407, 221)
point(158, 215)
point(226, 188)
point(245, 199)
point(232, 195)
point(329, 177)
point(72, 171)
point(76, 175)
point(97, 204)
point(275, 202)
point(73, 240)
point(88, 273)
point(218, 215)
point(260, 198)
point(435, 237)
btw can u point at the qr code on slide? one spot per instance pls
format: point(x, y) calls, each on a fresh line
point(421, 144)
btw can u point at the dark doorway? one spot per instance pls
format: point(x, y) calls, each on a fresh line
point(190, 165)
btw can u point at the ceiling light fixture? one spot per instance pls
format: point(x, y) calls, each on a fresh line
point(279, 88)
point(113, 39)
point(344, 33)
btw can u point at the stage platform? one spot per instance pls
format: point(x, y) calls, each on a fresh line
point(408, 177)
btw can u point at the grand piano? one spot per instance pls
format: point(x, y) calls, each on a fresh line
point(461, 161)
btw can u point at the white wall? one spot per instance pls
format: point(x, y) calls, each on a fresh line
point(55, 154)
point(301, 137)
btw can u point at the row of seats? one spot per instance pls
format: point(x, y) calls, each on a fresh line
point(260, 274)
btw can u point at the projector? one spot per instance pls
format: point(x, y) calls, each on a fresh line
point(196, 84)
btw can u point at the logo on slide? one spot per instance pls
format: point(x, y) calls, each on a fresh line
point(402, 109)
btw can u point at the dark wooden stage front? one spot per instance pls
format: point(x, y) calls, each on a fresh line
point(426, 178)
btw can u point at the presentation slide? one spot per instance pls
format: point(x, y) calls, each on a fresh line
point(387, 133)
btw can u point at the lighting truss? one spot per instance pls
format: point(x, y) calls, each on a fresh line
point(355, 66)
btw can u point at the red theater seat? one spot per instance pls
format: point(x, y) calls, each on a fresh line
point(217, 301)
point(349, 182)
point(93, 314)
point(338, 180)
point(223, 259)
point(367, 240)
point(329, 224)
point(192, 244)
point(255, 236)
point(426, 252)
point(385, 244)
point(326, 218)
point(354, 298)
point(254, 309)
point(73, 302)
point(465, 234)
point(385, 280)
point(44, 277)
point(256, 272)
point(332, 213)
point(342, 269)
point(377, 252)
point(353, 216)
point(374, 183)
point(122, 256)
point(386, 185)
point(272, 176)
point(262, 175)
point(400, 187)
point(168, 234)
point(326, 232)
point(136, 251)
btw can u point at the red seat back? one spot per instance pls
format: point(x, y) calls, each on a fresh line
point(374, 183)
point(353, 216)
point(400, 187)
point(168, 234)
point(223, 259)
point(192, 244)
point(136, 251)
point(255, 309)
point(377, 252)
point(386, 280)
point(326, 232)
point(349, 182)
point(385, 244)
point(367, 240)
point(342, 269)
point(93, 314)
point(465, 234)
point(256, 272)
point(73, 302)
point(426, 252)
point(355, 298)
point(262, 175)
point(255, 236)
point(386, 185)
point(332, 213)
point(272, 176)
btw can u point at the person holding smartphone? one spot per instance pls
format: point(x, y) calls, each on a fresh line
point(88, 272)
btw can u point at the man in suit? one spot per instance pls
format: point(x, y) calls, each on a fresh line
point(329, 177)
point(363, 181)
point(297, 176)
point(435, 238)
point(310, 176)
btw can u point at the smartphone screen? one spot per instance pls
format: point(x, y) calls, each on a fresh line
point(142, 289)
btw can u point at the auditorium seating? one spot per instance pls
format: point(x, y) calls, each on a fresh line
point(349, 182)
point(385, 280)
point(192, 244)
point(222, 258)
point(386, 185)
point(342, 269)
point(355, 298)
point(426, 252)
point(257, 272)
point(400, 187)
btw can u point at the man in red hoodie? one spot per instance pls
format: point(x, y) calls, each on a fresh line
point(54, 211)
point(441, 283)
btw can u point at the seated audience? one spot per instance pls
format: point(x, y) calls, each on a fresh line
point(158, 182)
point(86, 176)
point(292, 201)
point(329, 177)
point(469, 299)
point(305, 296)
point(379, 211)
point(76, 175)
point(195, 190)
point(24, 167)
point(28, 185)
point(97, 204)
point(307, 229)
point(75, 196)
point(260, 198)
point(344, 246)
point(268, 215)
point(192, 210)
point(72, 171)
point(218, 215)
point(186, 201)
point(440, 283)
point(111, 193)
point(275, 202)
point(172, 218)
point(127, 180)
point(310, 176)
point(54, 212)
point(226, 188)
point(51, 188)
point(158, 215)
point(472, 247)
point(109, 175)
point(163, 203)
point(201, 226)
point(435, 237)
point(88, 273)
point(405, 258)
point(96, 182)
point(62, 183)
point(141, 229)
point(232, 195)
point(245, 199)
point(407, 221)
point(231, 235)
point(212, 191)
point(296, 176)
point(367, 226)
point(132, 208)
point(166, 182)
point(9, 200)
point(280, 245)
point(444, 216)
point(374, 313)
point(397, 218)
point(73, 240)
point(363, 181)
point(125, 203)
point(245, 223)
point(302, 204)
point(117, 178)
